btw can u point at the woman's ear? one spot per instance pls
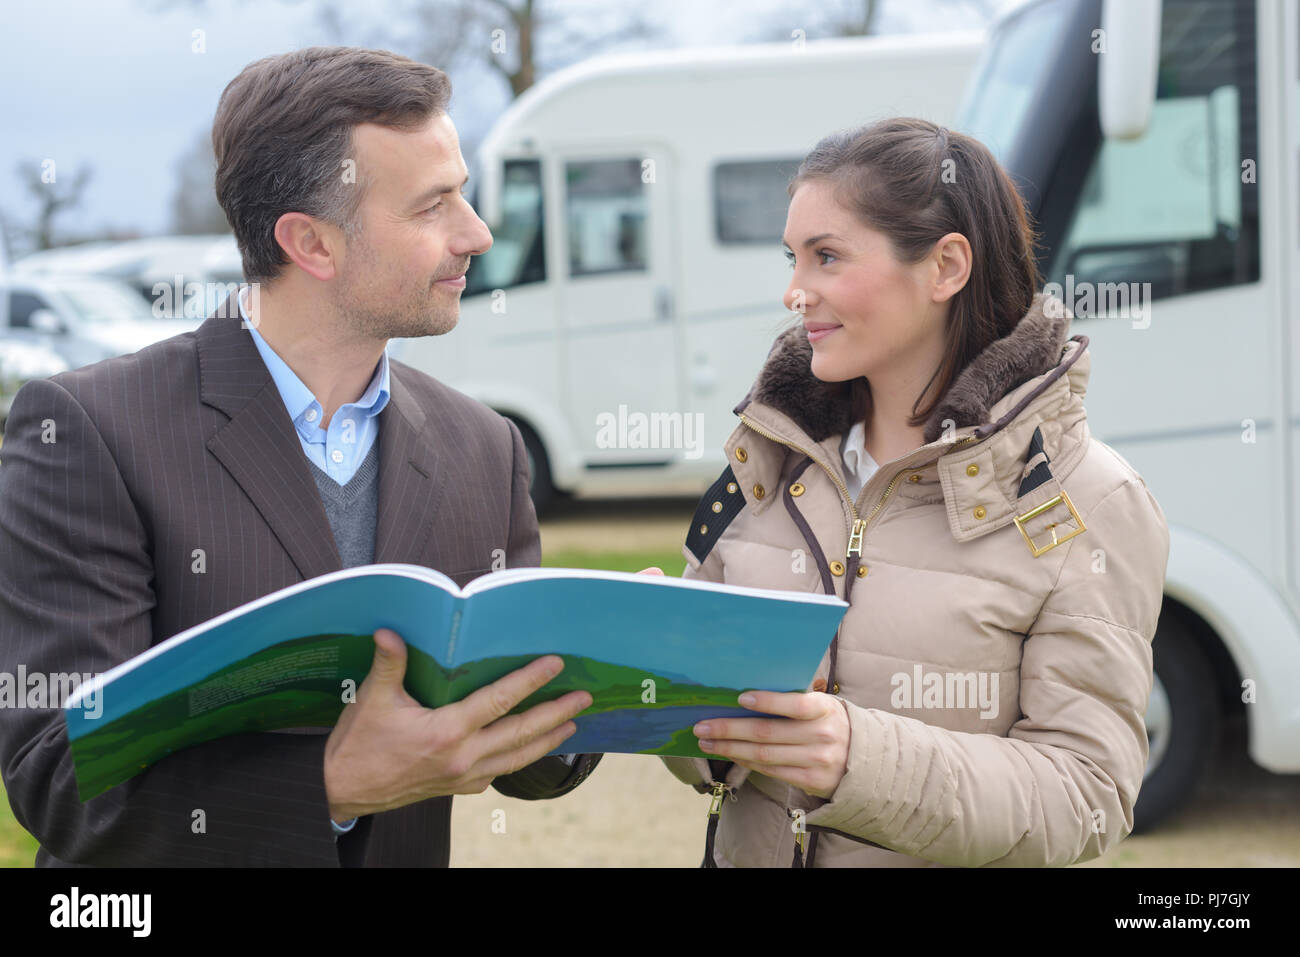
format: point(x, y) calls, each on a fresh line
point(952, 258)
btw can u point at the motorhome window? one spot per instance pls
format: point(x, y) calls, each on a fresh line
point(606, 202)
point(1178, 207)
point(21, 307)
point(750, 200)
point(518, 252)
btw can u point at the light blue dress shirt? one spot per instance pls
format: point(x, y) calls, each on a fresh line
point(339, 450)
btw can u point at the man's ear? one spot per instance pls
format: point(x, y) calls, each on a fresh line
point(311, 244)
point(952, 259)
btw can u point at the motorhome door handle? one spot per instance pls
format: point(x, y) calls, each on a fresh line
point(663, 303)
point(704, 377)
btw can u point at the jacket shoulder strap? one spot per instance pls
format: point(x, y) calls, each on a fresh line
point(720, 504)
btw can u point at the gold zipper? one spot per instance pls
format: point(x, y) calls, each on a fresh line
point(855, 536)
point(859, 525)
point(715, 805)
point(719, 791)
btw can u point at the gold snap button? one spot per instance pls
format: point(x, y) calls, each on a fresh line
point(796, 489)
point(837, 568)
point(758, 491)
point(862, 571)
point(731, 487)
point(741, 455)
point(704, 529)
point(972, 470)
point(979, 511)
point(914, 477)
point(835, 688)
point(717, 506)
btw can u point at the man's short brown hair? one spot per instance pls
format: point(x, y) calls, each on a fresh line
point(283, 132)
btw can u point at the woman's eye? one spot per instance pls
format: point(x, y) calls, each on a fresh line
point(822, 257)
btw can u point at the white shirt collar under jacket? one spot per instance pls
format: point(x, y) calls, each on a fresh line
point(859, 466)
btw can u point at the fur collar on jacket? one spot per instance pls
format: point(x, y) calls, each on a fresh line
point(821, 409)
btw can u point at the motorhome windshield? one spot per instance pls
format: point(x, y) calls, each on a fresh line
point(1014, 65)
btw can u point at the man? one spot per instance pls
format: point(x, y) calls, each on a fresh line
point(148, 493)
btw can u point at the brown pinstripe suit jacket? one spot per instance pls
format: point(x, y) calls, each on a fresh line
point(187, 445)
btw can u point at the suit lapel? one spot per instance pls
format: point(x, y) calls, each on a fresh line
point(411, 477)
point(260, 448)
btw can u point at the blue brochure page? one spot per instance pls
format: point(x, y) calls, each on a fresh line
point(658, 654)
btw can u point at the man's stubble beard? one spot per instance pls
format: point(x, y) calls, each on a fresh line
point(377, 312)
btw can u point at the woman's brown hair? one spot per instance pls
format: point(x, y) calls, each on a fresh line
point(915, 182)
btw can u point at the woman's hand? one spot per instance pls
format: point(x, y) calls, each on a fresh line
point(811, 752)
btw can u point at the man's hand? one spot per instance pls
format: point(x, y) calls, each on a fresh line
point(811, 752)
point(387, 750)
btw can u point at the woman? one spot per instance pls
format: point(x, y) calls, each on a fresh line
point(983, 699)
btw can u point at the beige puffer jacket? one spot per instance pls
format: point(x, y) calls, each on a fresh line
point(995, 696)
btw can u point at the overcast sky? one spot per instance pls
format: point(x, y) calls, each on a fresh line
point(115, 84)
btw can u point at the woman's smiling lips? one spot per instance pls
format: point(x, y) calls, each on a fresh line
point(820, 330)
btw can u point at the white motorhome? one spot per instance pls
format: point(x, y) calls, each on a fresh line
point(637, 205)
point(1156, 144)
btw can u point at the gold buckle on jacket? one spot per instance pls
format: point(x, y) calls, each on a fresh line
point(1056, 540)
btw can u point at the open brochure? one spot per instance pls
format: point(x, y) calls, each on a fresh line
point(657, 654)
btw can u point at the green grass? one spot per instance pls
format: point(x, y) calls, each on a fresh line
point(671, 562)
point(18, 848)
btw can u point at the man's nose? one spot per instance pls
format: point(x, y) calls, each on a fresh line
point(474, 238)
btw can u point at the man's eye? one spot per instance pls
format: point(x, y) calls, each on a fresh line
point(435, 206)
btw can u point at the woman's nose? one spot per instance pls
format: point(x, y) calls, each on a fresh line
point(797, 298)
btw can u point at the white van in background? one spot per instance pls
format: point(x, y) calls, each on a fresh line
point(81, 318)
point(180, 277)
point(637, 205)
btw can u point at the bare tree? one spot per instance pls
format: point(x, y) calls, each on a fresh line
point(195, 210)
point(839, 18)
point(860, 18)
point(517, 40)
point(53, 195)
point(854, 19)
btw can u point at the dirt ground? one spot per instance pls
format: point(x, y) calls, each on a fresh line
point(633, 813)
point(657, 524)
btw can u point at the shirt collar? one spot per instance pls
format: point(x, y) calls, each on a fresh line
point(854, 448)
point(298, 399)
